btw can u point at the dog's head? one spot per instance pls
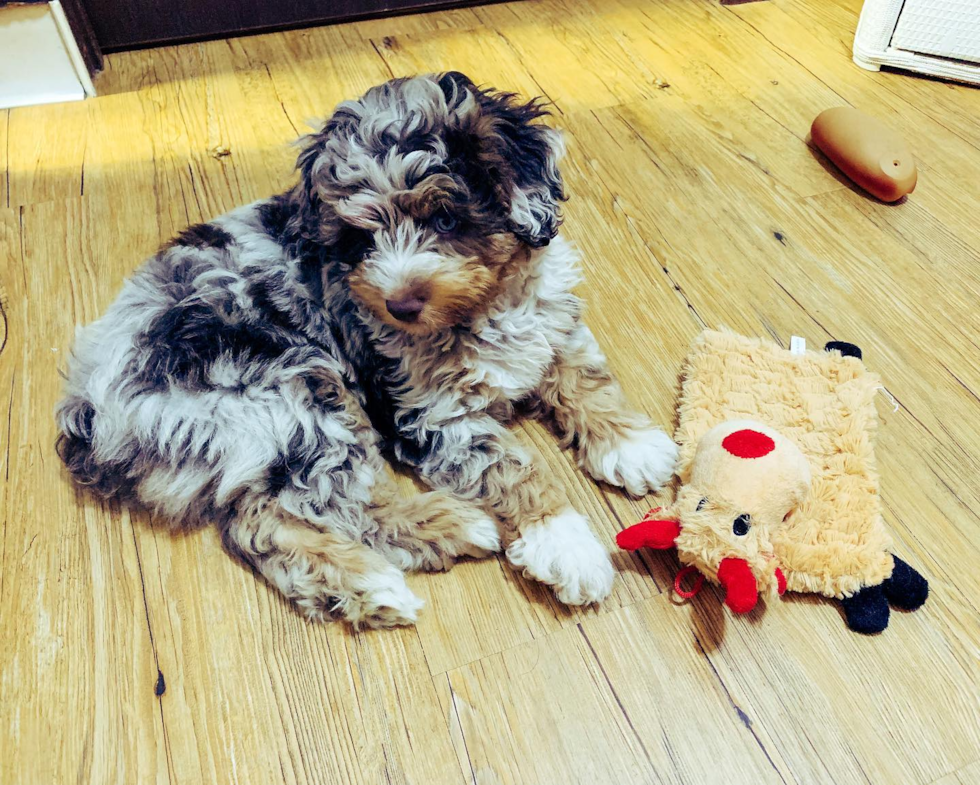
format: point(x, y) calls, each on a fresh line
point(432, 193)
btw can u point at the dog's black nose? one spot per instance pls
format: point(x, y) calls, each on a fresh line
point(405, 309)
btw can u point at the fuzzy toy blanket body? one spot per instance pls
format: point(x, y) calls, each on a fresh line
point(835, 543)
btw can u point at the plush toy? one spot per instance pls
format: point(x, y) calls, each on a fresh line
point(779, 488)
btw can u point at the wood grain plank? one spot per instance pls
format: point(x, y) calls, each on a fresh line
point(577, 69)
point(965, 776)
point(406, 713)
point(838, 705)
point(45, 159)
point(695, 703)
point(688, 183)
point(299, 702)
point(76, 642)
point(541, 712)
point(344, 63)
point(642, 321)
point(791, 85)
point(695, 56)
point(223, 722)
point(4, 142)
point(578, 707)
point(222, 168)
point(483, 55)
point(474, 610)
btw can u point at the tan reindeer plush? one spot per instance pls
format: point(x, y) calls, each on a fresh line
point(779, 488)
point(746, 478)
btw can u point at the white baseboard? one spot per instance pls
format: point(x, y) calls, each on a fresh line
point(39, 60)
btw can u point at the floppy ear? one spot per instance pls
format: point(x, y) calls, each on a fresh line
point(523, 155)
point(535, 205)
point(453, 83)
point(312, 201)
point(311, 218)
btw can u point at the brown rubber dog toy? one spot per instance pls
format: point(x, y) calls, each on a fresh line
point(867, 151)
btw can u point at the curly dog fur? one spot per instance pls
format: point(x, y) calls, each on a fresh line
point(401, 298)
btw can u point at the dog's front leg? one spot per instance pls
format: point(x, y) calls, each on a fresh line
point(479, 460)
point(615, 443)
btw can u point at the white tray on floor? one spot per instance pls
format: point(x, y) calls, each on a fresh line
point(935, 37)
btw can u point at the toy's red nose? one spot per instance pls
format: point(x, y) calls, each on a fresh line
point(748, 444)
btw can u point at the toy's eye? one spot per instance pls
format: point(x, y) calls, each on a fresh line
point(741, 526)
point(445, 223)
point(701, 505)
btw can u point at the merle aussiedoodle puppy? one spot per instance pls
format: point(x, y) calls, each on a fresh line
point(402, 297)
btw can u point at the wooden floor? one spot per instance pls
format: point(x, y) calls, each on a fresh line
point(130, 656)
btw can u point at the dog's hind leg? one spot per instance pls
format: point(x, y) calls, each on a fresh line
point(285, 468)
point(324, 572)
point(429, 531)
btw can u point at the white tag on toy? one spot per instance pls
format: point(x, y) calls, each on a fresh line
point(797, 345)
point(888, 395)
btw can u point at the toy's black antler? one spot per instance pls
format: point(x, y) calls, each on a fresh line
point(867, 611)
point(845, 348)
point(906, 588)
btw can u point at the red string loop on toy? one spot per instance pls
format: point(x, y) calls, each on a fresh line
point(681, 575)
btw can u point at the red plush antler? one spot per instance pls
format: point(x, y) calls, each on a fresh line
point(741, 592)
point(659, 534)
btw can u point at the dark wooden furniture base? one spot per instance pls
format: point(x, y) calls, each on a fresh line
point(132, 24)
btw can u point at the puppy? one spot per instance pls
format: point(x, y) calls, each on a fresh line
point(401, 298)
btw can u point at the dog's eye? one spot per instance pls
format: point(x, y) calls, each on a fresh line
point(741, 525)
point(445, 223)
point(701, 505)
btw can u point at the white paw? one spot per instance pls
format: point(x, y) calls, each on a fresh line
point(480, 536)
point(640, 462)
point(564, 553)
point(384, 600)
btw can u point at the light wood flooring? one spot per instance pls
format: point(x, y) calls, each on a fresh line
point(696, 203)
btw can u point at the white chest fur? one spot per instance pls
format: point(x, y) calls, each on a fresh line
point(510, 349)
